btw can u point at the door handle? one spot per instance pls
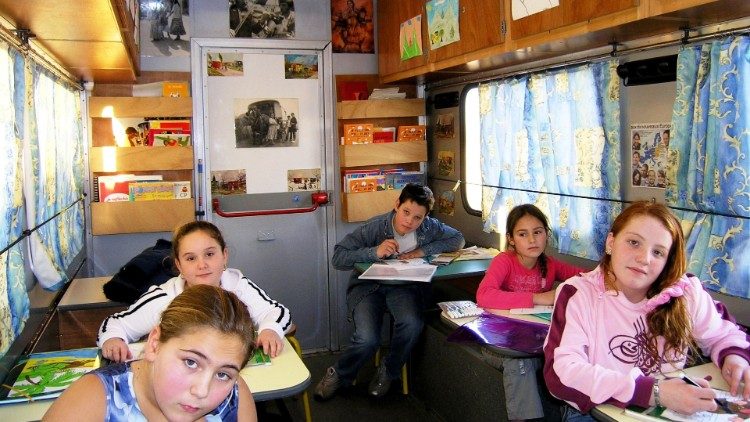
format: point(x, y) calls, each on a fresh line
point(318, 199)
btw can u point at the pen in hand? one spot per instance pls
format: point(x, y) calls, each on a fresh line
point(721, 403)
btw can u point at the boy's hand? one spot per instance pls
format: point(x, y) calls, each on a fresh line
point(416, 253)
point(387, 248)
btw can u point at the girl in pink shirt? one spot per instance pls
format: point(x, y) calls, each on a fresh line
point(616, 330)
point(521, 277)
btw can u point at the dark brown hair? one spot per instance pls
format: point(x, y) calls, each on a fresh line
point(421, 195)
point(516, 214)
point(195, 226)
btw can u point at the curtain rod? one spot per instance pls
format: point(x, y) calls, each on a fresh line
point(622, 201)
point(600, 53)
point(26, 233)
point(36, 54)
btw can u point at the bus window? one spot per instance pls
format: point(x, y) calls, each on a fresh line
point(471, 164)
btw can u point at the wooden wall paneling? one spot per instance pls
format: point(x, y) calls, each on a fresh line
point(479, 26)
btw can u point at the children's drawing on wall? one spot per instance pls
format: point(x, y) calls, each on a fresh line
point(447, 202)
point(445, 163)
point(303, 179)
point(410, 38)
point(522, 8)
point(444, 126)
point(228, 182)
point(442, 22)
point(225, 64)
point(300, 66)
point(165, 28)
point(261, 18)
point(262, 123)
point(649, 149)
point(352, 30)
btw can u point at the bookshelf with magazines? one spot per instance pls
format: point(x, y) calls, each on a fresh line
point(392, 163)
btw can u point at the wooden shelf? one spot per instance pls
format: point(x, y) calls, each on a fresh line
point(373, 109)
point(362, 206)
point(386, 153)
point(140, 107)
point(140, 216)
point(114, 159)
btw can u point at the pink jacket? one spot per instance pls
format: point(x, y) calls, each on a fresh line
point(594, 350)
point(508, 284)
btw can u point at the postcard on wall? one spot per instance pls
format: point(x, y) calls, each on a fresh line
point(446, 163)
point(444, 126)
point(303, 179)
point(228, 182)
point(522, 8)
point(442, 22)
point(352, 29)
point(261, 19)
point(164, 28)
point(300, 66)
point(261, 123)
point(447, 202)
point(649, 151)
point(410, 38)
point(225, 64)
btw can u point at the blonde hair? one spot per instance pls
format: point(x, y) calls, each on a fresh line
point(208, 306)
point(670, 320)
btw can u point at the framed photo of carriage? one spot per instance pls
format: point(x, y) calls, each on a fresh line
point(266, 122)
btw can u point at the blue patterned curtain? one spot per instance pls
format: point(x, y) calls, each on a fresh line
point(710, 160)
point(14, 301)
point(56, 176)
point(555, 132)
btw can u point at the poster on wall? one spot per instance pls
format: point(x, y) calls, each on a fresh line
point(444, 126)
point(445, 163)
point(300, 66)
point(410, 38)
point(447, 202)
point(649, 149)
point(164, 28)
point(442, 22)
point(352, 29)
point(522, 8)
point(228, 182)
point(224, 64)
point(261, 123)
point(303, 179)
point(261, 18)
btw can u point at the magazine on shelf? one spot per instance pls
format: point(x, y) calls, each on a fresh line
point(416, 269)
point(46, 375)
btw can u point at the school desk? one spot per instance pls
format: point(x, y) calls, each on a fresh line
point(608, 412)
point(286, 376)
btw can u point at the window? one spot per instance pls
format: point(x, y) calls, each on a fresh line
point(472, 170)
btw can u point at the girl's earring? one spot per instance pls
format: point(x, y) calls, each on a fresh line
point(608, 251)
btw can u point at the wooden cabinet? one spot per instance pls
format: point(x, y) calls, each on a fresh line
point(480, 23)
point(569, 12)
point(172, 163)
point(406, 155)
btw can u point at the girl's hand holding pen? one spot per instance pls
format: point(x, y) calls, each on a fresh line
point(387, 248)
point(678, 395)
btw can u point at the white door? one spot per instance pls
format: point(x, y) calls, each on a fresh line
point(262, 113)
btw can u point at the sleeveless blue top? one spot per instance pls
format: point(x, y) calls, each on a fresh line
point(122, 405)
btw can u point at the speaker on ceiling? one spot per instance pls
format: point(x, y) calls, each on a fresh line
point(649, 71)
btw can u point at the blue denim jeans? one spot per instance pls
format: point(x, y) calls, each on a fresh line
point(367, 304)
point(570, 413)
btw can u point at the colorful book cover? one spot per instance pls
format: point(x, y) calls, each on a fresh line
point(358, 133)
point(151, 191)
point(46, 375)
point(411, 133)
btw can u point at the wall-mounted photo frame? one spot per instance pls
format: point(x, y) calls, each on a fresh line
point(263, 122)
point(165, 28)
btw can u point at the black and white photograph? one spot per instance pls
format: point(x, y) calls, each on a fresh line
point(260, 123)
point(165, 28)
point(303, 179)
point(261, 18)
